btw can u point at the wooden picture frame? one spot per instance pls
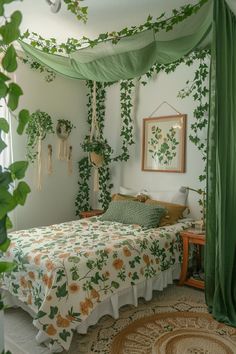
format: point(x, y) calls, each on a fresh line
point(164, 140)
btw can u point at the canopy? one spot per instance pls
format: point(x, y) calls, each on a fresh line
point(132, 56)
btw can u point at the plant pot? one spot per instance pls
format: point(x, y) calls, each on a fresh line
point(1, 331)
point(96, 159)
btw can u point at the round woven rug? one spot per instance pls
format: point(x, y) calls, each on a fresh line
point(176, 333)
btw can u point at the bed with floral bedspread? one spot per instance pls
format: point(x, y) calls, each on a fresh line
point(63, 271)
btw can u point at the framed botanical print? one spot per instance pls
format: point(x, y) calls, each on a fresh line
point(164, 141)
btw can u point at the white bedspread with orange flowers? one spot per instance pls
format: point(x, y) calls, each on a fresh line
point(63, 271)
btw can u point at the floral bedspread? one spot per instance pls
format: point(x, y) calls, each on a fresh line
point(63, 271)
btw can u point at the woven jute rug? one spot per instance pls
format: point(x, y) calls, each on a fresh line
point(104, 337)
point(176, 333)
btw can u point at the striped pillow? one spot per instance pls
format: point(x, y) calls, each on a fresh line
point(130, 212)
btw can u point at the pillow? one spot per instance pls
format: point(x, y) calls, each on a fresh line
point(118, 196)
point(174, 211)
point(170, 196)
point(130, 212)
point(175, 197)
point(128, 191)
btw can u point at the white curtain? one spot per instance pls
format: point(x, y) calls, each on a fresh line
point(6, 154)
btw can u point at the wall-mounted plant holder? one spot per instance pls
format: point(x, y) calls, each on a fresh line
point(63, 130)
point(39, 126)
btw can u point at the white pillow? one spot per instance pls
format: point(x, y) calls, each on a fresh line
point(128, 191)
point(175, 197)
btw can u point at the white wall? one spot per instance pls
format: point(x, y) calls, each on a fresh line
point(63, 98)
point(66, 98)
point(163, 88)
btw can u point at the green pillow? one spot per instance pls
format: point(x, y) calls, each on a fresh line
point(130, 212)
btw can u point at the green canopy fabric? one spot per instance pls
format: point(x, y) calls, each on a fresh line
point(220, 260)
point(131, 57)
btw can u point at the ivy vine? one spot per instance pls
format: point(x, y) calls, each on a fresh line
point(39, 125)
point(81, 12)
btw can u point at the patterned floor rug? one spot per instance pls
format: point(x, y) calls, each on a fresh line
point(176, 333)
point(103, 337)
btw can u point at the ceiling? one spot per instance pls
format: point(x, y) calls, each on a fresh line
point(103, 16)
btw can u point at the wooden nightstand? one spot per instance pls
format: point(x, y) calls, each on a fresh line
point(89, 213)
point(190, 236)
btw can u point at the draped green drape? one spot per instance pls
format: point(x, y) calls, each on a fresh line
point(132, 56)
point(220, 259)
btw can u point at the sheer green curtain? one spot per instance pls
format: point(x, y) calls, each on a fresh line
point(221, 185)
point(132, 56)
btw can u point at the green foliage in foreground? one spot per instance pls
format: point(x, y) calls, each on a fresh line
point(13, 190)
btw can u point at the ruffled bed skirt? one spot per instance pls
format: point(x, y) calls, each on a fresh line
point(111, 305)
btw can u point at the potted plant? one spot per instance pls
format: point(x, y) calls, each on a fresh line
point(63, 130)
point(99, 150)
point(39, 125)
point(12, 192)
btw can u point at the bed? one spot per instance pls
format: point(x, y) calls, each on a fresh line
point(69, 275)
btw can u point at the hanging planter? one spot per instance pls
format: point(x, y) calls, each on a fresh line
point(63, 130)
point(39, 126)
point(99, 151)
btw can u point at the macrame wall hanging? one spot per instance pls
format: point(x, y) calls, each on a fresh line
point(63, 130)
point(96, 159)
point(49, 159)
point(69, 162)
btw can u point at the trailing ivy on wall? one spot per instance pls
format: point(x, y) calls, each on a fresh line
point(127, 128)
point(198, 89)
point(85, 166)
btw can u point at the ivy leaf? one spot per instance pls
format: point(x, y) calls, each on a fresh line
point(4, 125)
point(9, 62)
point(7, 202)
point(1, 9)
point(3, 89)
point(10, 31)
point(18, 169)
point(5, 179)
point(6, 267)
point(9, 224)
point(3, 77)
point(24, 117)
point(3, 145)
point(4, 246)
point(14, 92)
point(21, 192)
